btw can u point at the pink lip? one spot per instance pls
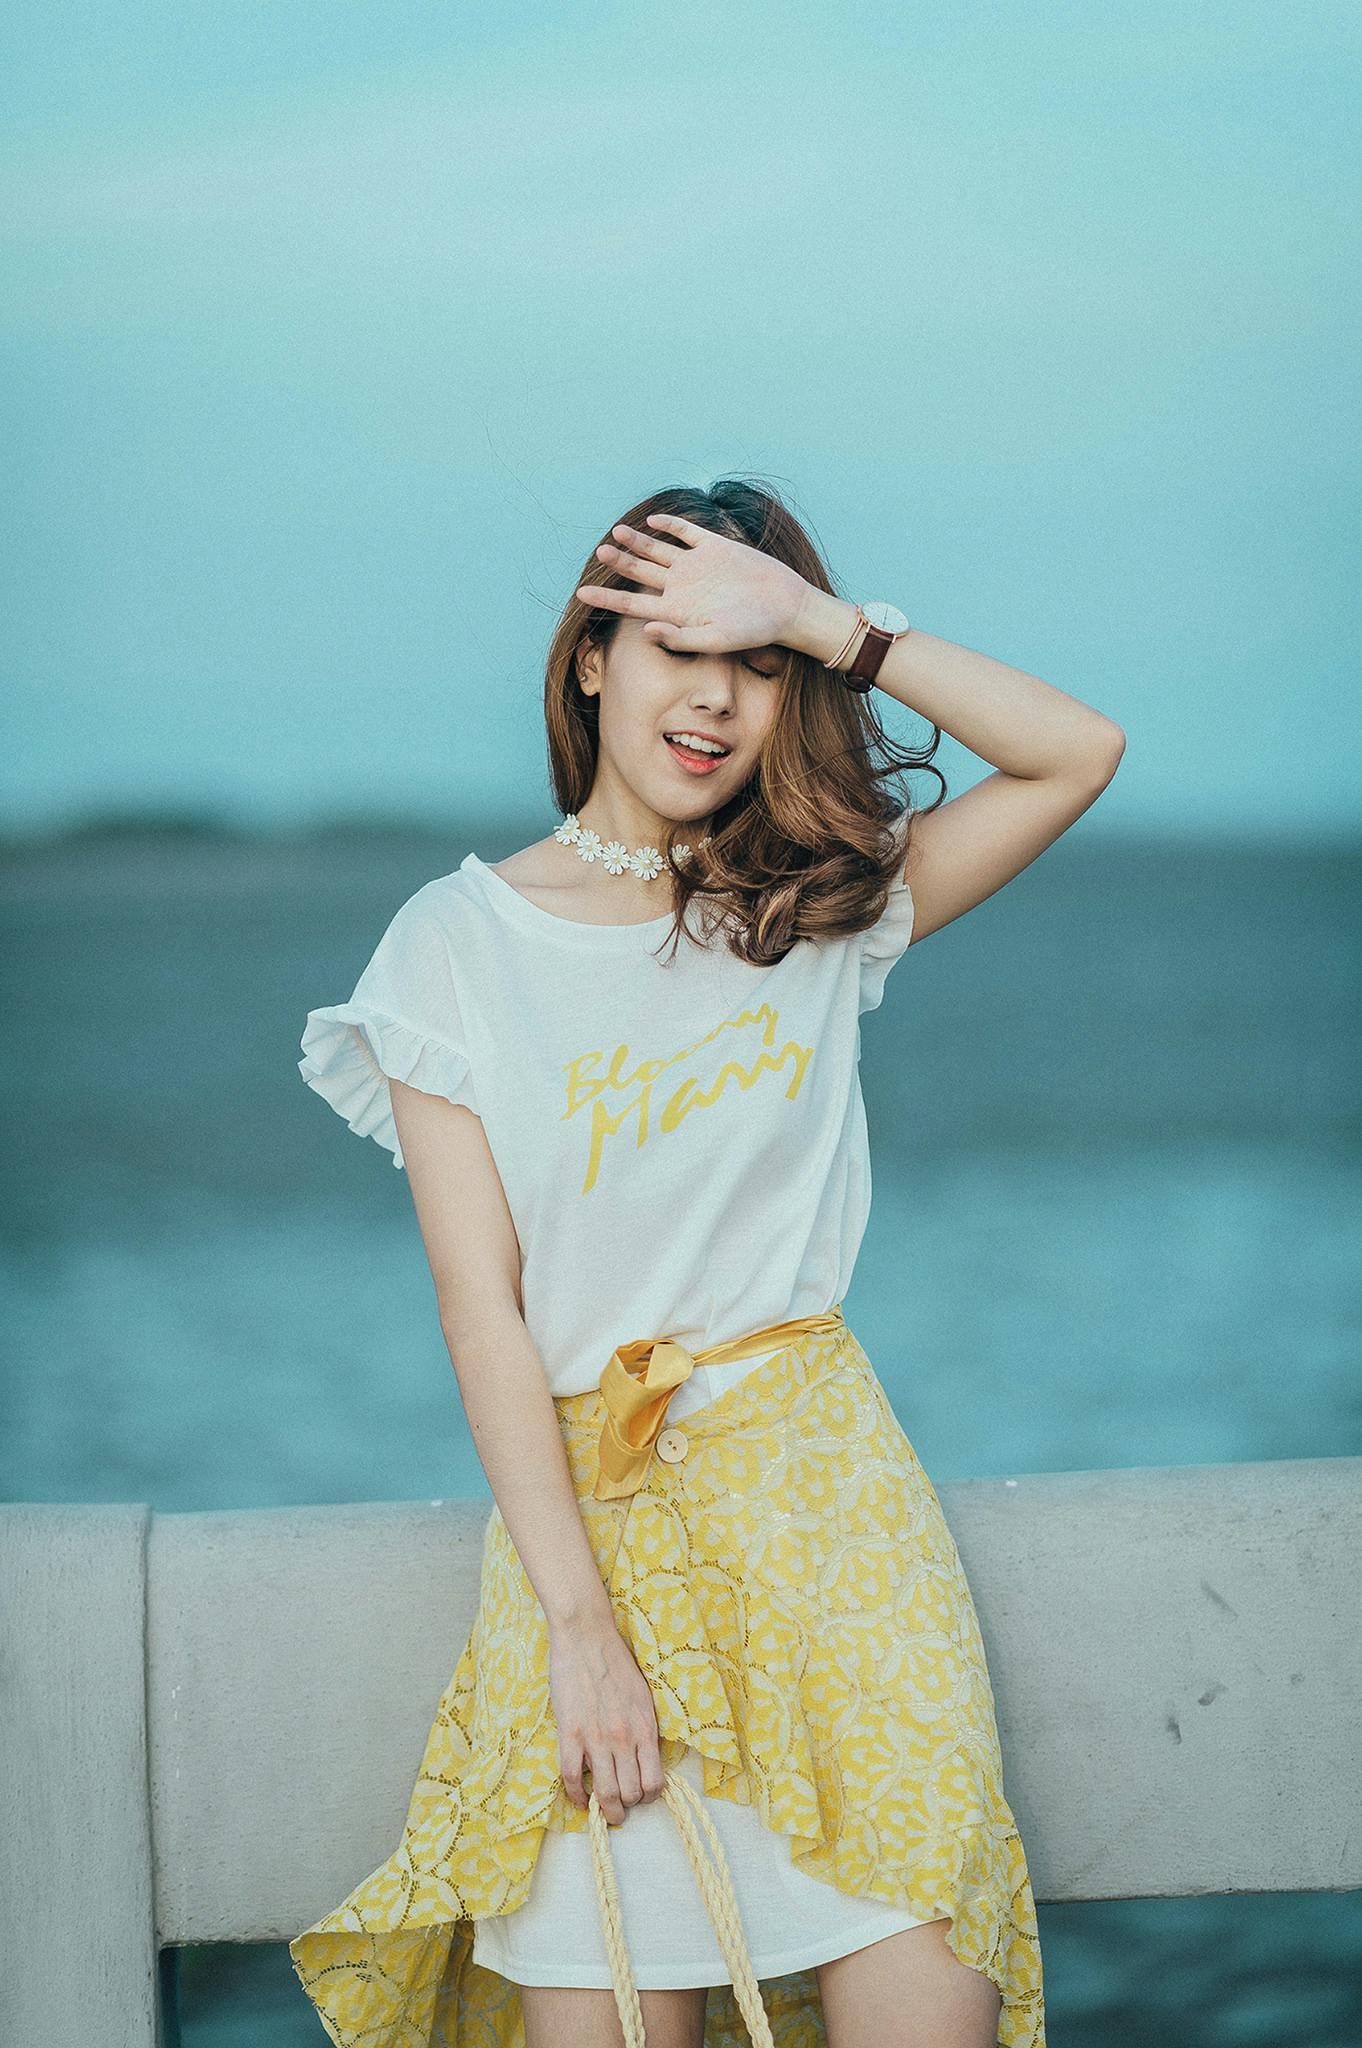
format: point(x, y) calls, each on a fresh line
point(695, 766)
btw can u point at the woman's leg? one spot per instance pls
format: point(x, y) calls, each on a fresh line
point(557, 2016)
point(908, 1991)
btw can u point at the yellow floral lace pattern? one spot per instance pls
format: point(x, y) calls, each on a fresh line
point(793, 1595)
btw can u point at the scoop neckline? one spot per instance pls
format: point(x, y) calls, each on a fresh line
point(534, 914)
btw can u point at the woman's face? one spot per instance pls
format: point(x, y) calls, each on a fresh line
point(648, 691)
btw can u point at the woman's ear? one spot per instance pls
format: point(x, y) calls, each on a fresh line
point(588, 660)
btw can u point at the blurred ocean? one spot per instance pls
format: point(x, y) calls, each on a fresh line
point(1117, 1220)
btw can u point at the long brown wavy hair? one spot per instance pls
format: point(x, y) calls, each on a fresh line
point(808, 847)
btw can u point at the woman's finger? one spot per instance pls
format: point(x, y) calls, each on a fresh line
point(651, 574)
point(680, 639)
point(627, 1775)
point(570, 1765)
point(648, 544)
point(672, 522)
point(636, 603)
point(650, 1772)
point(606, 1789)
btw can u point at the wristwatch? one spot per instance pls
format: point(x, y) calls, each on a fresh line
point(883, 624)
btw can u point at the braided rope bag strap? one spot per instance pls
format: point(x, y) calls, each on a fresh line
point(716, 1889)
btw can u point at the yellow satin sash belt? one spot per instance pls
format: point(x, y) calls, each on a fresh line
point(641, 1377)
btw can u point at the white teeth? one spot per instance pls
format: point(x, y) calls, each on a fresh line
point(695, 743)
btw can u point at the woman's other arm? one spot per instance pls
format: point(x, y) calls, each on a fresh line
point(601, 1700)
point(1052, 756)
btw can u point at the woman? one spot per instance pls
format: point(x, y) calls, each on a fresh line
point(637, 1148)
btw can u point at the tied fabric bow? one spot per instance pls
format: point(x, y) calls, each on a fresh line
point(640, 1378)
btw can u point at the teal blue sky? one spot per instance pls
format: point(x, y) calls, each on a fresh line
point(333, 337)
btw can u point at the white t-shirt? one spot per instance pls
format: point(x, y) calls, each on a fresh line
point(682, 1141)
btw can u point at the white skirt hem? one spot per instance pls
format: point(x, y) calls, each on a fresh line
point(573, 1977)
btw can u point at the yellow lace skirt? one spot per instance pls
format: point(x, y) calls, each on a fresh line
point(792, 1593)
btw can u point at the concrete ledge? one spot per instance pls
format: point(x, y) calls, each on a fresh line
point(296, 1659)
point(1177, 1661)
point(1175, 1655)
point(76, 1920)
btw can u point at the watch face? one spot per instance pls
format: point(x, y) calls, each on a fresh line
point(887, 617)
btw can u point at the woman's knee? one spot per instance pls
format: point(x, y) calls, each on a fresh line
point(909, 1990)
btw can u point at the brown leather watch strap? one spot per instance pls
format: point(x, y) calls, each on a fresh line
point(875, 644)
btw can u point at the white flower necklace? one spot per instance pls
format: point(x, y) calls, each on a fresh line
point(614, 856)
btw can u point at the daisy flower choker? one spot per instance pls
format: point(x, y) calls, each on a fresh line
point(614, 856)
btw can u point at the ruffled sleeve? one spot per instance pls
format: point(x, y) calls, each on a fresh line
point(402, 1022)
point(883, 942)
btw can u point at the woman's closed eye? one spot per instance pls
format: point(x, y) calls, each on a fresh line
point(688, 654)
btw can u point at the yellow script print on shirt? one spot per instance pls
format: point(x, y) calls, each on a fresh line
point(595, 1084)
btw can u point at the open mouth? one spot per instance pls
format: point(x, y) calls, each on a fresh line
point(696, 759)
